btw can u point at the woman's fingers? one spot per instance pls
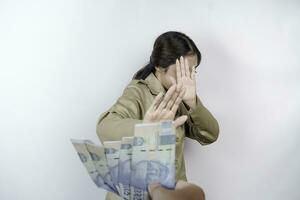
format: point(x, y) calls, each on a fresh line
point(173, 81)
point(156, 102)
point(178, 100)
point(166, 112)
point(193, 76)
point(187, 68)
point(179, 87)
point(167, 97)
point(182, 68)
point(178, 70)
point(180, 120)
point(174, 97)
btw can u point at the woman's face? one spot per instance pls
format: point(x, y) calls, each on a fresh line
point(165, 75)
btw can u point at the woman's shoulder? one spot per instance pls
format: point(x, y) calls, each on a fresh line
point(136, 88)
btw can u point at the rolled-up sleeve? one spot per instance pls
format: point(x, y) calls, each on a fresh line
point(201, 124)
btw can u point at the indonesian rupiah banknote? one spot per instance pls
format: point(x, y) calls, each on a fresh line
point(125, 167)
point(87, 159)
point(128, 166)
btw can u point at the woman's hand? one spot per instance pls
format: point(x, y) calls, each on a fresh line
point(188, 80)
point(165, 108)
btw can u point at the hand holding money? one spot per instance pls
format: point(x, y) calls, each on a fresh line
point(183, 191)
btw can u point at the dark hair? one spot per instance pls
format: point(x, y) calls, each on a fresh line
point(166, 49)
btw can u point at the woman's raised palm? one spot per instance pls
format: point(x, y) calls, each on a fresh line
point(165, 107)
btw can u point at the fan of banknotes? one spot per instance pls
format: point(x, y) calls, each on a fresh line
point(127, 167)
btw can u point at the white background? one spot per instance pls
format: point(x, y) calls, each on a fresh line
point(65, 62)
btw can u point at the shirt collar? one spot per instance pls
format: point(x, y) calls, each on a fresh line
point(154, 84)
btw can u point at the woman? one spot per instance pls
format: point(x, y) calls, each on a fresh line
point(163, 89)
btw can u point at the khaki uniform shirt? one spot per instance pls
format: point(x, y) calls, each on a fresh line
point(130, 109)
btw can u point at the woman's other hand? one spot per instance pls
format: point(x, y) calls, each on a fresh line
point(187, 79)
point(164, 107)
